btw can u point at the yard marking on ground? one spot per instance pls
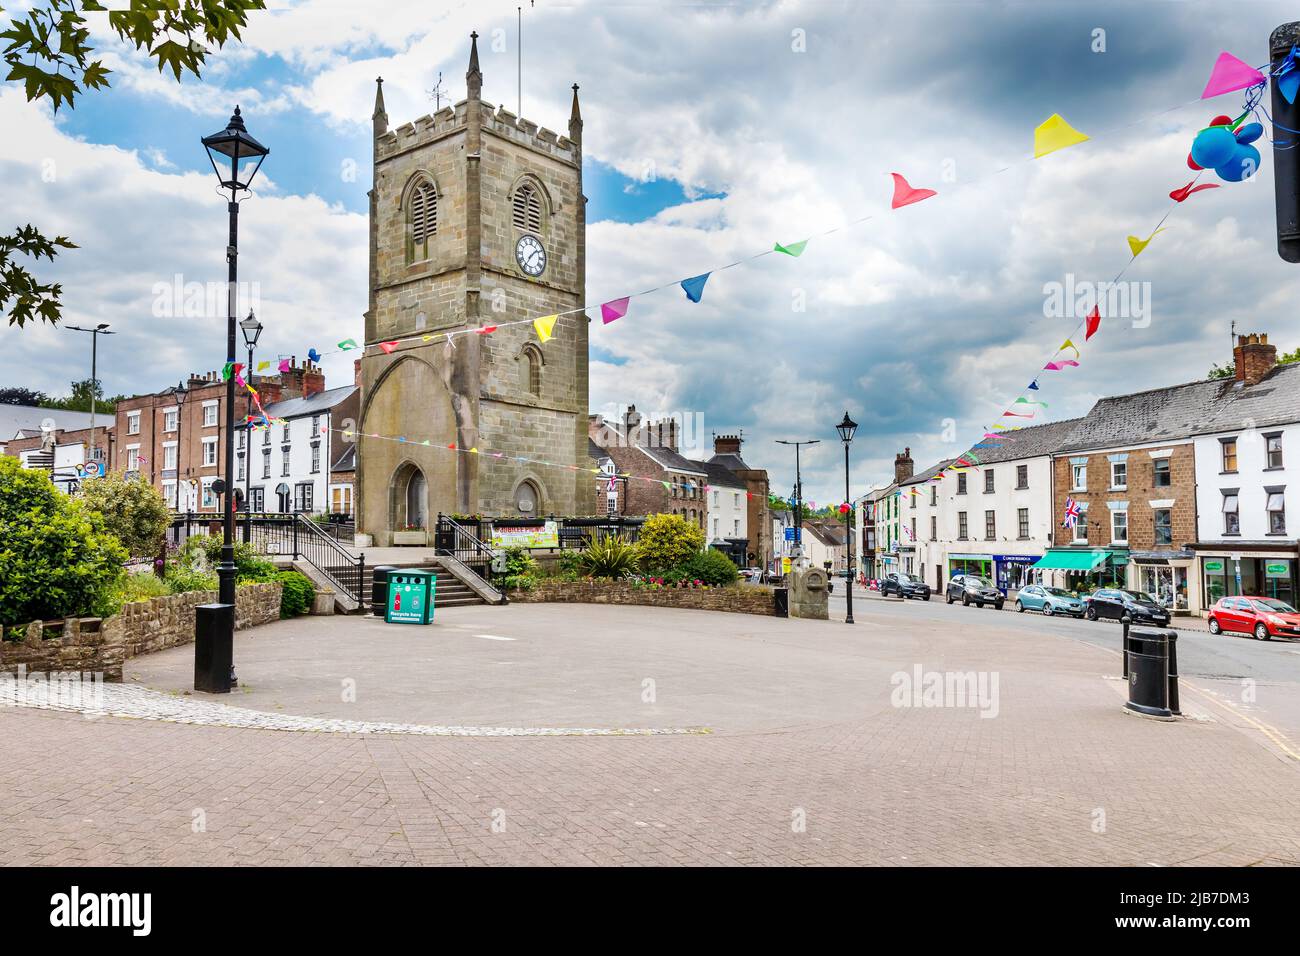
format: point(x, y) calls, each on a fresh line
point(495, 637)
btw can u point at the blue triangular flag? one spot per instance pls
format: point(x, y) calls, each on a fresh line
point(694, 288)
point(313, 355)
point(1034, 385)
point(1288, 84)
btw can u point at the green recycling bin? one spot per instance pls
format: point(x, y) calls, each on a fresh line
point(410, 596)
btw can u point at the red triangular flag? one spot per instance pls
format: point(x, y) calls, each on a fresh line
point(905, 195)
point(1093, 322)
point(388, 347)
point(1181, 193)
point(486, 330)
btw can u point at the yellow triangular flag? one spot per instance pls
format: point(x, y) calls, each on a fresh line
point(262, 366)
point(1137, 245)
point(545, 326)
point(1069, 344)
point(1055, 133)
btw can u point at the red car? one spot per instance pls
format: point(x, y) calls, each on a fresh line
point(1263, 617)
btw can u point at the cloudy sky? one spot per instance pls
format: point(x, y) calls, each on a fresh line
point(712, 130)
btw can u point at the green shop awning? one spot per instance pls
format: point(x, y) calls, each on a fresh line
point(1070, 560)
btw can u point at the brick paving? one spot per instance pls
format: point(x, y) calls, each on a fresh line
point(876, 784)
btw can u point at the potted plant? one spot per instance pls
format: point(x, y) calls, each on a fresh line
point(411, 534)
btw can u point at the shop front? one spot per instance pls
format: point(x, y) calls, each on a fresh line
point(1250, 573)
point(1013, 570)
point(980, 565)
point(1165, 575)
point(1081, 569)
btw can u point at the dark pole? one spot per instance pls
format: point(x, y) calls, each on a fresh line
point(798, 492)
point(1286, 164)
point(848, 540)
point(226, 569)
point(248, 462)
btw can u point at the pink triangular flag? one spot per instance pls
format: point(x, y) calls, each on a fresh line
point(1230, 74)
point(1059, 366)
point(284, 365)
point(614, 309)
point(905, 195)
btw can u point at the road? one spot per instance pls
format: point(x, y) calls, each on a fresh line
point(1259, 678)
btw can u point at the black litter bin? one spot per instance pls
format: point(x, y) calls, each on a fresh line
point(1147, 656)
point(781, 604)
point(379, 589)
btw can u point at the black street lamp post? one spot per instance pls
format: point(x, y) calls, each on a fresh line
point(252, 330)
point(846, 429)
point(245, 155)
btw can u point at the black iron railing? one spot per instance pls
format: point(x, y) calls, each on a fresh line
point(463, 540)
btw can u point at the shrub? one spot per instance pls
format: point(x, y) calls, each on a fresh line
point(611, 558)
point(142, 587)
point(250, 564)
point(708, 567)
point(668, 541)
point(180, 579)
point(298, 594)
point(56, 557)
point(521, 569)
point(132, 509)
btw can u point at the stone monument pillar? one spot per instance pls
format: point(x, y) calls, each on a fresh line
point(809, 593)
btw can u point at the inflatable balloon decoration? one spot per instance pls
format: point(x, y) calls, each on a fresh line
point(1224, 146)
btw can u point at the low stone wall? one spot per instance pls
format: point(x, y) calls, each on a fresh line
point(94, 645)
point(740, 599)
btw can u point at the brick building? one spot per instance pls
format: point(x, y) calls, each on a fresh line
point(61, 452)
point(648, 450)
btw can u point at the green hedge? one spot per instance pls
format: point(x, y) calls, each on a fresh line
point(298, 595)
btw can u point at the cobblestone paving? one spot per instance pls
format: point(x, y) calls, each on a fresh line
point(1061, 776)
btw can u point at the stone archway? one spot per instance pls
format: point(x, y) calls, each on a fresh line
point(408, 498)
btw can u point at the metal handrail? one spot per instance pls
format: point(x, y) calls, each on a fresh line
point(326, 547)
point(465, 545)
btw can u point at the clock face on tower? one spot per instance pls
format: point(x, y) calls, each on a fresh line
point(530, 255)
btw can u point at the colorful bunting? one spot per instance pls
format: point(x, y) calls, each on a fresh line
point(284, 363)
point(313, 355)
point(388, 347)
point(614, 309)
point(794, 249)
point(1092, 323)
point(1182, 192)
point(1055, 133)
point(262, 366)
point(486, 330)
point(1288, 83)
point(694, 287)
point(545, 327)
point(1025, 401)
point(1229, 75)
point(347, 345)
point(1137, 245)
point(1033, 385)
point(1058, 366)
point(905, 194)
point(1068, 344)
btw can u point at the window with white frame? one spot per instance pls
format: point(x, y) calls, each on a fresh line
point(1164, 525)
point(988, 481)
point(132, 457)
point(209, 414)
point(133, 423)
point(239, 467)
point(170, 418)
point(990, 524)
point(169, 455)
point(1118, 525)
point(209, 499)
point(1022, 477)
point(1276, 505)
point(169, 494)
point(1231, 513)
point(266, 463)
point(1162, 473)
point(1022, 522)
point(315, 457)
point(1118, 475)
point(302, 496)
point(209, 452)
point(1273, 450)
point(1079, 476)
point(1081, 527)
point(284, 463)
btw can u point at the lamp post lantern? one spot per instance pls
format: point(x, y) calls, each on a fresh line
point(252, 330)
point(846, 428)
point(234, 148)
point(95, 333)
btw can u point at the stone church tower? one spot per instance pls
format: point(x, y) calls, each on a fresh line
point(477, 218)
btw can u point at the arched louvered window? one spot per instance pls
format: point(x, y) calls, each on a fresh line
point(530, 370)
point(423, 212)
point(528, 208)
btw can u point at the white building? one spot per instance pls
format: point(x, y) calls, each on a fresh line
point(728, 501)
point(1247, 487)
point(291, 461)
point(994, 519)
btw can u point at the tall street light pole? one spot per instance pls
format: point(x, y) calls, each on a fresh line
point(846, 428)
point(798, 493)
point(245, 155)
point(252, 330)
point(95, 333)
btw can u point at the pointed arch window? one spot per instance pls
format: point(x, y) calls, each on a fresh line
point(422, 217)
point(530, 370)
point(527, 208)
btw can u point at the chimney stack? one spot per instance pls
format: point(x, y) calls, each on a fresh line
point(1253, 357)
point(727, 444)
point(903, 466)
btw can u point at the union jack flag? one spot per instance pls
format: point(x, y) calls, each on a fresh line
point(1072, 513)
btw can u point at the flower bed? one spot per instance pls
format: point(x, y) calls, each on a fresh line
point(736, 598)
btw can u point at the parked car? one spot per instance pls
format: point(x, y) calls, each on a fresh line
point(1113, 603)
point(1265, 618)
point(904, 585)
point(972, 589)
point(1038, 597)
point(752, 574)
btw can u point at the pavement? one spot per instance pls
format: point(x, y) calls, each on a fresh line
point(592, 734)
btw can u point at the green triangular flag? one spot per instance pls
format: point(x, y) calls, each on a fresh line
point(347, 344)
point(794, 249)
